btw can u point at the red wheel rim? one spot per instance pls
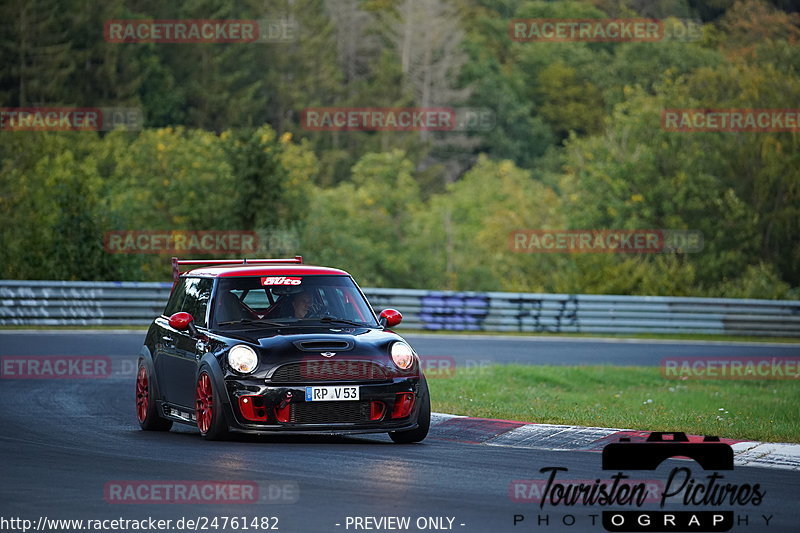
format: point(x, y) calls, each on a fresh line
point(142, 394)
point(203, 403)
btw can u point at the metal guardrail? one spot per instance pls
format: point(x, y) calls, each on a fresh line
point(51, 303)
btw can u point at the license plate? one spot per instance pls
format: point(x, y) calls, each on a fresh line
point(331, 394)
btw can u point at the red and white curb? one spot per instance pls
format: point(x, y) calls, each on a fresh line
point(513, 434)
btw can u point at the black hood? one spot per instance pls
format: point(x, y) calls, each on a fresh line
point(284, 345)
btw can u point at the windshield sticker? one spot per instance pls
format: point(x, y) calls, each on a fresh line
point(280, 280)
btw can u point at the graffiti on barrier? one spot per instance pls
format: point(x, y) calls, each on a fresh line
point(547, 319)
point(455, 311)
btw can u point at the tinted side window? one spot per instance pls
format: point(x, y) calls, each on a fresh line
point(176, 299)
point(198, 292)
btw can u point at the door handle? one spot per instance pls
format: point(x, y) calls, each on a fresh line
point(168, 340)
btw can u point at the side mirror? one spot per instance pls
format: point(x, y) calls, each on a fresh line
point(183, 321)
point(390, 318)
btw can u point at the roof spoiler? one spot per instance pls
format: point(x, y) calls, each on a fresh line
point(176, 263)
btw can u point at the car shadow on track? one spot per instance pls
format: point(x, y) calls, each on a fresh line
point(188, 433)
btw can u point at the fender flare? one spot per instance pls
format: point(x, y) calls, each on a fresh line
point(423, 385)
point(217, 375)
point(146, 357)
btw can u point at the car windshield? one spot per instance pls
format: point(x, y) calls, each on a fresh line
point(270, 301)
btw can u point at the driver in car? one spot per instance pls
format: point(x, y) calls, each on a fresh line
point(301, 304)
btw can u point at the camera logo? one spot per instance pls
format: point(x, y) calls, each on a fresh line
point(711, 454)
point(686, 500)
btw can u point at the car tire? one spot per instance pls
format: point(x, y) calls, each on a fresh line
point(146, 409)
point(208, 408)
point(423, 420)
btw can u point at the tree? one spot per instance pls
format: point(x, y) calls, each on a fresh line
point(464, 232)
point(37, 55)
point(271, 177)
point(364, 225)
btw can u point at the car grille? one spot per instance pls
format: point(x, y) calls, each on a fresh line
point(329, 412)
point(329, 370)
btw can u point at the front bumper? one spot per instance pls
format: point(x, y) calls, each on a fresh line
point(255, 406)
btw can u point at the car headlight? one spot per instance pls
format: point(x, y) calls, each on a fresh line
point(402, 355)
point(242, 359)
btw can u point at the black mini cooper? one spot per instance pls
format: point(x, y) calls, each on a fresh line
point(268, 345)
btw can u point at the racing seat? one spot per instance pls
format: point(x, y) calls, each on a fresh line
point(229, 308)
point(282, 308)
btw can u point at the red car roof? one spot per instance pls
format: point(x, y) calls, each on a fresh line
point(262, 270)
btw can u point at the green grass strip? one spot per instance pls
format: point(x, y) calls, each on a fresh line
point(623, 397)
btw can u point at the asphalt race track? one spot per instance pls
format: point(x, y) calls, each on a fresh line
point(64, 441)
point(465, 348)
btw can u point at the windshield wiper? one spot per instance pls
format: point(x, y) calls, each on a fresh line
point(253, 321)
point(343, 321)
